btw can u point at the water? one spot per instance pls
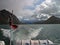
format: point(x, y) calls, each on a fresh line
point(30, 31)
point(26, 31)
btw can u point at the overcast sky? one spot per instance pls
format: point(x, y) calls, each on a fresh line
point(30, 7)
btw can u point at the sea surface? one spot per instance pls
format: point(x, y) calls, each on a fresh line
point(29, 31)
point(32, 30)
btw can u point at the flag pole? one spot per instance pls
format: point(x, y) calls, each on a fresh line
point(11, 32)
point(12, 26)
point(30, 42)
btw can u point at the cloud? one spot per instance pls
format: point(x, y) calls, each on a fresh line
point(20, 7)
point(31, 7)
point(17, 6)
point(50, 7)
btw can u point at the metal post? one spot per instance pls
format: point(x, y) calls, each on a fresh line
point(30, 42)
point(21, 42)
point(39, 42)
point(10, 27)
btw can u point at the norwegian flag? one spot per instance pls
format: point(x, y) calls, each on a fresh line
point(13, 26)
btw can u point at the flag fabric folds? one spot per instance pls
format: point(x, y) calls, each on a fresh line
point(13, 26)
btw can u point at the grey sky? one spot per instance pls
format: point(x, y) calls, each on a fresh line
point(19, 6)
point(50, 7)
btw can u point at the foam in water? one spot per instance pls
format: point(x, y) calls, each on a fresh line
point(26, 33)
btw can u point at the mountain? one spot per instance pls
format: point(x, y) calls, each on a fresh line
point(33, 18)
point(4, 16)
point(51, 20)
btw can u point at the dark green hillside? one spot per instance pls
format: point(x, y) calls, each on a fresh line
point(51, 20)
point(4, 17)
